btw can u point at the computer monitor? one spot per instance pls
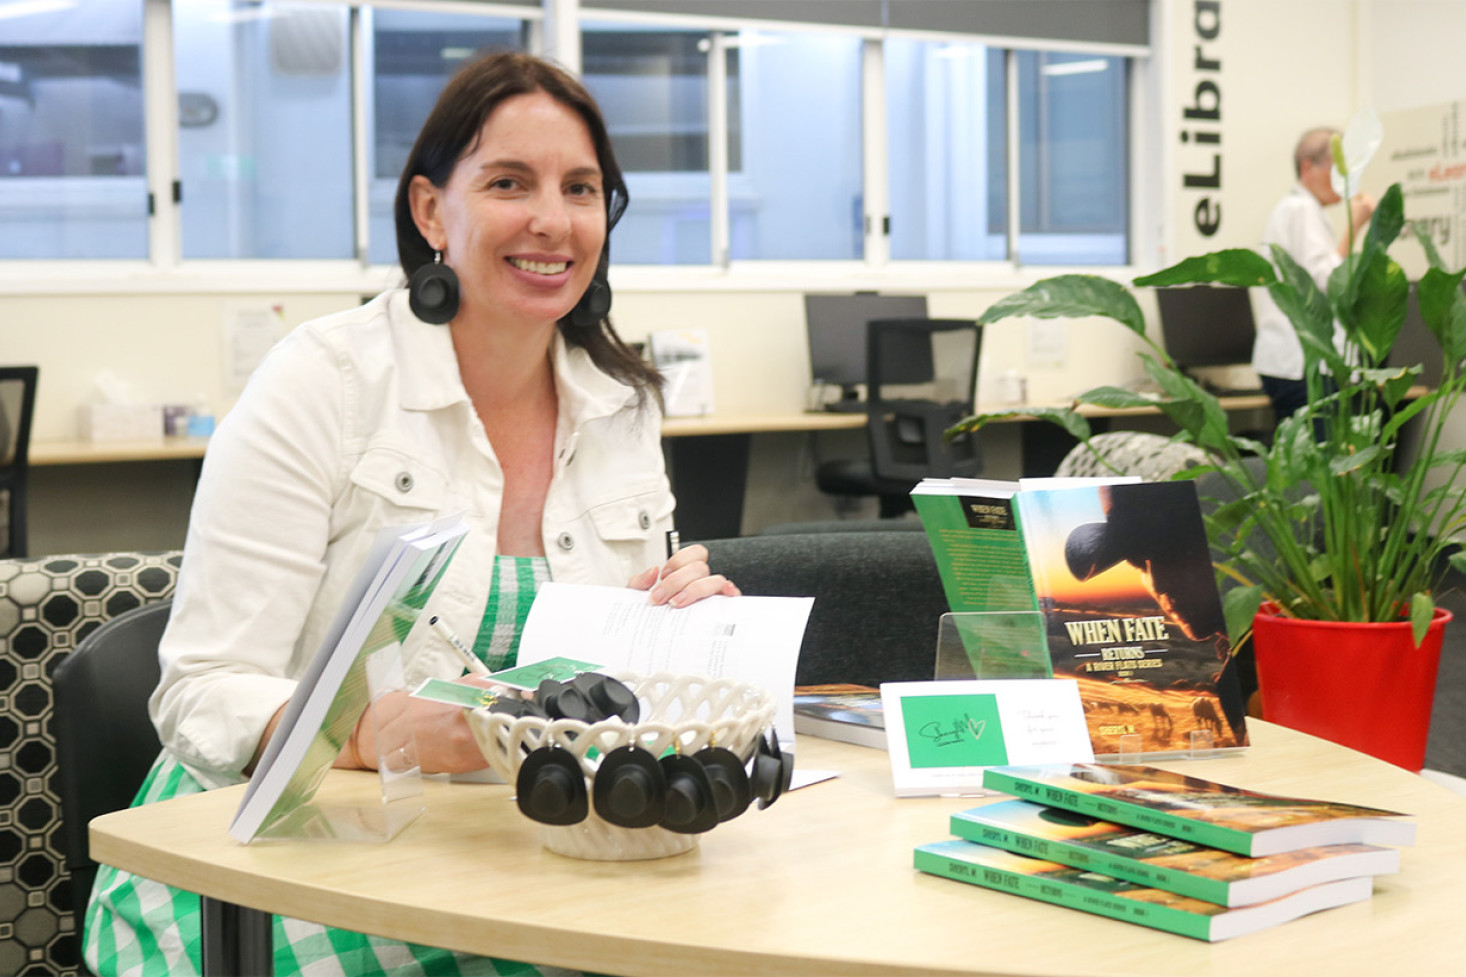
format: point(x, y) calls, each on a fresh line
point(1207, 325)
point(836, 326)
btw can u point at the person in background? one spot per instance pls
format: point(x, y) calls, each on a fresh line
point(1299, 226)
point(493, 385)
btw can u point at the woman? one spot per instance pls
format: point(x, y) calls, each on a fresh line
point(522, 409)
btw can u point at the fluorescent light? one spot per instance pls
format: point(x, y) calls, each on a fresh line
point(25, 8)
point(455, 53)
point(1076, 67)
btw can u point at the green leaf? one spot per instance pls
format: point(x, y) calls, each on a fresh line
point(1343, 464)
point(1239, 607)
point(1443, 308)
point(1379, 308)
point(1066, 418)
point(1422, 235)
point(1318, 350)
point(1071, 297)
point(1422, 609)
point(1458, 561)
point(1118, 397)
point(1299, 298)
point(1241, 267)
point(1387, 221)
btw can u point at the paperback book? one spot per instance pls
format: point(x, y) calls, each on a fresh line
point(1241, 821)
point(1123, 578)
point(1159, 861)
point(388, 594)
point(848, 713)
point(1062, 885)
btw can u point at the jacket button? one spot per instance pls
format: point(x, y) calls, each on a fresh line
point(566, 541)
point(404, 481)
point(644, 519)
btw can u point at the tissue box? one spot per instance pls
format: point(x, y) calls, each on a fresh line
point(121, 422)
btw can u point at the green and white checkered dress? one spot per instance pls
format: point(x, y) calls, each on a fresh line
point(139, 928)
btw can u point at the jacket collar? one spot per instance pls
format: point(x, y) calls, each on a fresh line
point(427, 368)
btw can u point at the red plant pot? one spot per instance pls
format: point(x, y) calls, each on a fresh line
point(1365, 686)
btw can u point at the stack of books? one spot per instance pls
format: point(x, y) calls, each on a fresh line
point(1176, 853)
point(849, 713)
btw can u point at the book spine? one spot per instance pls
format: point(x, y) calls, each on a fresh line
point(1109, 809)
point(1117, 866)
point(1061, 893)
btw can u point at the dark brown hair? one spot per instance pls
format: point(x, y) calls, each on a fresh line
point(450, 133)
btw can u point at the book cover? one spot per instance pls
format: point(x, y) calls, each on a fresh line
point(848, 713)
point(385, 600)
point(1123, 575)
point(1202, 811)
point(1160, 861)
point(975, 541)
point(966, 861)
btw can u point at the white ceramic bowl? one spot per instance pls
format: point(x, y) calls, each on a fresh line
point(685, 712)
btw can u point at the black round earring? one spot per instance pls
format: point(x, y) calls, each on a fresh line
point(432, 292)
point(594, 305)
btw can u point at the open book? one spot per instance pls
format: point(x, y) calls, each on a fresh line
point(403, 566)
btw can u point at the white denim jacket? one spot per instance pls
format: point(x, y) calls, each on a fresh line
point(353, 422)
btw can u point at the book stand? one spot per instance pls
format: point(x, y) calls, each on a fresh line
point(996, 644)
point(398, 770)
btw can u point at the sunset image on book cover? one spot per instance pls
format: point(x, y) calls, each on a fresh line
point(1124, 578)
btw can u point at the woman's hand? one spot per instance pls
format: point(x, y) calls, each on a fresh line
point(684, 579)
point(445, 744)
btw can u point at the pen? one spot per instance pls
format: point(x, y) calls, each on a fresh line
point(674, 543)
point(470, 660)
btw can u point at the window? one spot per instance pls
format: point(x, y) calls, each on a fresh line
point(264, 139)
point(1073, 162)
point(652, 87)
point(794, 166)
point(946, 109)
point(413, 55)
point(72, 163)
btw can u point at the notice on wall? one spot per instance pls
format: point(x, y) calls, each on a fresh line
point(1424, 150)
point(249, 332)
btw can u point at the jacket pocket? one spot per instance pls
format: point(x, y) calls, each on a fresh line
point(631, 517)
point(400, 480)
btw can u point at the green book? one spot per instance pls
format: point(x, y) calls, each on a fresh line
point(993, 868)
point(975, 540)
point(1201, 811)
point(387, 596)
point(1160, 861)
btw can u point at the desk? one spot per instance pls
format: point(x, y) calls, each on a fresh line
point(820, 883)
point(707, 457)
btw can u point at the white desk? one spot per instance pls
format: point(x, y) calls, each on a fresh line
point(820, 883)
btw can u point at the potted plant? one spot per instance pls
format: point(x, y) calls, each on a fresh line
point(1328, 526)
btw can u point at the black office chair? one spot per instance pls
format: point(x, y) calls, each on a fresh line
point(105, 742)
point(17, 405)
point(921, 378)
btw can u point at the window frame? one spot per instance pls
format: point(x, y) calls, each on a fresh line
point(165, 271)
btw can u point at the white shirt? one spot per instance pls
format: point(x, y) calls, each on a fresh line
point(353, 422)
point(1299, 226)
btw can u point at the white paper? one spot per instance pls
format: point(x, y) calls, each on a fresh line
point(685, 360)
point(1042, 721)
point(746, 639)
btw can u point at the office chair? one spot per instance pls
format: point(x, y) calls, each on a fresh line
point(17, 404)
point(105, 741)
point(921, 378)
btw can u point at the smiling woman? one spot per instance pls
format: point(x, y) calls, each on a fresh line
point(514, 403)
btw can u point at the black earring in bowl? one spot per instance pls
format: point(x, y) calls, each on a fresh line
point(550, 787)
point(630, 788)
point(732, 791)
point(692, 808)
point(773, 770)
point(432, 292)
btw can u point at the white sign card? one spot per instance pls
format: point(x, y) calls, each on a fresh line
point(941, 735)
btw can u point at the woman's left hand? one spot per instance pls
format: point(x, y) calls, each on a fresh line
point(684, 579)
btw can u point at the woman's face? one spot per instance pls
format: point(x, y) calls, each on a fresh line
point(522, 218)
